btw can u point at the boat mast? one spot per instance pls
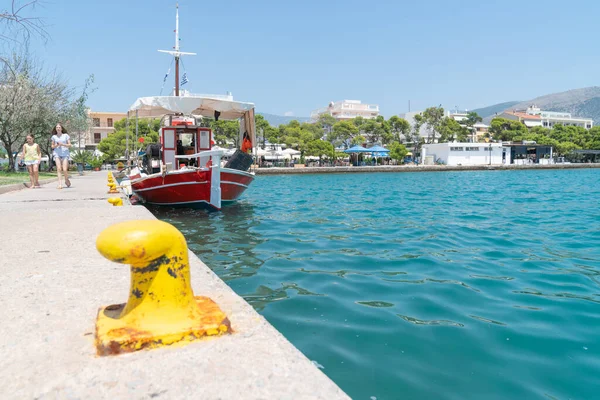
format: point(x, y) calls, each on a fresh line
point(177, 50)
point(176, 53)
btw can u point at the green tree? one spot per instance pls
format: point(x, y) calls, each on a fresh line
point(414, 137)
point(358, 122)
point(358, 139)
point(114, 145)
point(297, 136)
point(398, 151)
point(320, 148)
point(400, 128)
point(433, 117)
point(342, 133)
point(226, 131)
point(374, 131)
point(564, 148)
point(507, 129)
point(472, 119)
point(450, 130)
point(30, 102)
point(326, 123)
point(262, 128)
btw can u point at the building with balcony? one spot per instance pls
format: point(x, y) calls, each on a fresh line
point(101, 125)
point(551, 118)
point(534, 116)
point(346, 110)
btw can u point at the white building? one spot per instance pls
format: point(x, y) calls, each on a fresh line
point(102, 125)
point(533, 116)
point(465, 153)
point(347, 109)
point(551, 118)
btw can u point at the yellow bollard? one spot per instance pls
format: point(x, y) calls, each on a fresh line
point(115, 201)
point(161, 309)
point(112, 188)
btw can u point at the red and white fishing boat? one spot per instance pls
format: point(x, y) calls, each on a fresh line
point(184, 169)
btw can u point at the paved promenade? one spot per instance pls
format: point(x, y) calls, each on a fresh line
point(54, 281)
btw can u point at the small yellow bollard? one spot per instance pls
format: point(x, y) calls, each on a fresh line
point(161, 309)
point(115, 201)
point(112, 188)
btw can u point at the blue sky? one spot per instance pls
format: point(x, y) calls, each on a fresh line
point(295, 56)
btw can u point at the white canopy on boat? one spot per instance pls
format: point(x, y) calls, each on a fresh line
point(158, 106)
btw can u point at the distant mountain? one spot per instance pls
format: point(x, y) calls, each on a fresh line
point(496, 108)
point(276, 120)
point(583, 103)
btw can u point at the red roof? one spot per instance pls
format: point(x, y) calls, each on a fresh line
point(523, 115)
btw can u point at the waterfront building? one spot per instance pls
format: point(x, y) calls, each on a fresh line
point(525, 153)
point(551, 118)
point(529, 152)
point(346, 110)
point(528, 120)
point(101, 125)
point(465, 154)
point(534, 116)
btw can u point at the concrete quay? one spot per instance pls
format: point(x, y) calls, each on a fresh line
point(414, 168)
point(54, 281)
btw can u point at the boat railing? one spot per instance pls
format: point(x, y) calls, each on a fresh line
point(215, 186)
point(204, 156)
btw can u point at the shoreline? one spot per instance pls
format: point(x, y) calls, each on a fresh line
point(415, 168)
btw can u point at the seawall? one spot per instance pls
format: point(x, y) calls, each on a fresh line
point(414, 168)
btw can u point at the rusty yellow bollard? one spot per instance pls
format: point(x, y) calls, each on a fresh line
point(112, 188)
point(161, 309)
point(115, 201)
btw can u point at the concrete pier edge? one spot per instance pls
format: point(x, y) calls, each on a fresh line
point(54, 282)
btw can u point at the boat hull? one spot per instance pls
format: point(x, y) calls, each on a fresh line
point(189, 188)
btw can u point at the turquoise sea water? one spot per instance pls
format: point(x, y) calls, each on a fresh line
point(446, 285)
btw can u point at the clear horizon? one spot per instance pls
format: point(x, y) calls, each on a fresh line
point(290, 59)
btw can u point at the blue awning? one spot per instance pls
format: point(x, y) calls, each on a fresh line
point(378, 149)
point(357, 149)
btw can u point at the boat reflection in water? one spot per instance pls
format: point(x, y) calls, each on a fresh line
point(224, 241)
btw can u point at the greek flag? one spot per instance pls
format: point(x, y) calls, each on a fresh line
point(166, 75)
point(184, 79)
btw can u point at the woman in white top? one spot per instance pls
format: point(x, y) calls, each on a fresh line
point(60, 145)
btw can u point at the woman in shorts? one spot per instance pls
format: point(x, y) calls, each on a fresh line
point(32, 156)
point(61, 142)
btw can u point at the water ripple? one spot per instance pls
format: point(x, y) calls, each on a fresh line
point(448, 285)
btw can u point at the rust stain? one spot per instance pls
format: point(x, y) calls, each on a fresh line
point(138, 251)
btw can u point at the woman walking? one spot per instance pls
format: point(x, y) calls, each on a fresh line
point(60, 145)
point(32, 156)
